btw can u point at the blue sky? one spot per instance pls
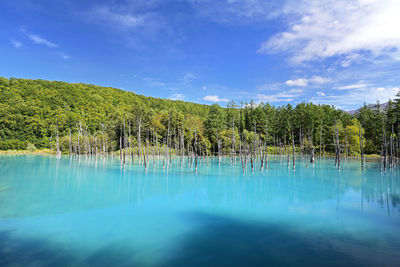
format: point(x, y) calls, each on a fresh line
point(342, 52)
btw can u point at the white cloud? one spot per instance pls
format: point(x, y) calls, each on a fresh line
point(353, 99)
point(272, 98)
point(118, 17)
point(321, 93)
point(268, 87)
point(353, 86)
point(285, 96)
point(248, 8)
point(65, 56)
point(16, 44)
point(177, 96)
point(295, 91)
point(40, 40)
point(319, 80)
point(298, 82)
point(319, 29)
point(215, 98)
point(305, 81)
point(234, 11)
point(348, 60)
point(153, 82)
point(188, 77)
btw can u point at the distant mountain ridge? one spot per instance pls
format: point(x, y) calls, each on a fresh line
point(370, 106)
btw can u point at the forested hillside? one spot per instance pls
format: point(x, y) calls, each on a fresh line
point(34, 111)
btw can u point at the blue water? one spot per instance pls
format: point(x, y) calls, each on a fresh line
point(93, 212)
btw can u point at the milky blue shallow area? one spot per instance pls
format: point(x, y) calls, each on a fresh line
point(93, 212)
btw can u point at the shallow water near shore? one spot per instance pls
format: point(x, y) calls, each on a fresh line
point(92, 211)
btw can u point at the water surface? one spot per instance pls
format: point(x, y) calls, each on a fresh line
point(94, 212)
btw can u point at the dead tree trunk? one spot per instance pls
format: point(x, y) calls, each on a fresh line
point(139, 122)
point(312, 152)
point(346, 146)
point(301, 143)
point(103, 140)
point(79, 135)
point(168, 141)
point(233, 141)
point(219, 149)
point(58, 145)
point(384, 146)
point(320, 140)
point(95, 146)
point(294, 152)
point(120, 147)
point(124, 144)
point(241, 154)
point(266, 145)
point(130, 141)
point(145, 155)
point(195, 150)
point(391, 160)
point(338, 147)
point(262, 156)
point(396, 151)
point(70, 143)
point(361, 149)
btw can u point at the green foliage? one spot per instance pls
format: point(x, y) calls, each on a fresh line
point(352, 134)
point(226, 139)
point(12, 144)
point(369, 147)
point(32, 111)
point(31, 147)
point(372, 122)
point(214, 123)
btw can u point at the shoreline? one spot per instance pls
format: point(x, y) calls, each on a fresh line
point(44, 152)
point(27, 152)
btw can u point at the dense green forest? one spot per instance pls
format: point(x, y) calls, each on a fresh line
point(33, 112)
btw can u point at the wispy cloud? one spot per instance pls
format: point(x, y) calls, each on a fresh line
point(135, 24)
point(351, 99)
point(234, 11)
point(215, 98)
point(350, 59)
point(268, 87)
point(285, 96)
point(354, 86)
point(119, 17)
point(65, 56)
point(321, 29)
point(177, 96)
point(37, 39)
point(188, 78)
point(153, 82)
point(298, 82)
point(15, 43)
point(318, 80)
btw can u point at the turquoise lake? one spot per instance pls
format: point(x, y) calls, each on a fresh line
point(88, 211)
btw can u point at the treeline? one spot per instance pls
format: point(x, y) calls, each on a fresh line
point(34, 112)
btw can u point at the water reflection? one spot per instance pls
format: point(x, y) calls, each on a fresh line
point(45, 185)
point(92, 211)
